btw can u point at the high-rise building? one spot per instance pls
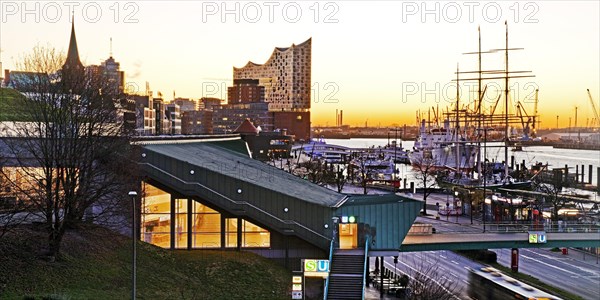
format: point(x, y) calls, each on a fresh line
point(145, 115)
point(115, 77)
point(173, 114)
point(245, 91)
point(197, 122)
point(286, 77)
point(163, 124)
point(286, 80)
point(185, 104)
point(209, 103)
point(226, 118)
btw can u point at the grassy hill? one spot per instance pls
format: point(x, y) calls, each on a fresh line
point(9, 104)
point(96, 264)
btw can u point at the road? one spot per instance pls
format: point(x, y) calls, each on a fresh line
point(574, 275)
point(452, 268)
point(570, 273)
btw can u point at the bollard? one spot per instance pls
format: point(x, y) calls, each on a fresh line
point(566, 174)
point(576, 173)
point(598, 179)
point(582, 174)
point(512, 162)
point(590, 174)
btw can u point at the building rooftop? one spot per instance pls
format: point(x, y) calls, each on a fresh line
point(225, 156)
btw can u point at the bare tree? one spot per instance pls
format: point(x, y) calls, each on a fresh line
point(316, 170)
point(360, 166)
point(428, 281)
point(340, 178)
point(333, 174)
point(425, 175)
point(553, 191)
point(70, 144)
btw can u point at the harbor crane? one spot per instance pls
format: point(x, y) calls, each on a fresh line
point(522, 114)
point(595, 110)
point(536, 123)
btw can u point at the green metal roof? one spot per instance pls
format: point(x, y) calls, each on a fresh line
point(358, 199)
point(226, 157)
point(387, 217)
point(237, 145)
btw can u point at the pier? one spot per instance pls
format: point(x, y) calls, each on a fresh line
point(578, 179)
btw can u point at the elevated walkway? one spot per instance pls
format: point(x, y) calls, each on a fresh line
point(463, 233)
point(471, 241)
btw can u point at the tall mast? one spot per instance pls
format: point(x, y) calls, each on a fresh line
point(457, 122)
point(506, 104)
point(479, 108)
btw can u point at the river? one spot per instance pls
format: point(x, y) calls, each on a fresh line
point(556, 158)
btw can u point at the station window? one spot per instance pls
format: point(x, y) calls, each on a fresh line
point(181, 223)
point(255, 236)
point(206, 227)
point(156, 216)
point(231, 232)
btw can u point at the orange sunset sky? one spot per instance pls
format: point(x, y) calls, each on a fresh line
point(379, 61)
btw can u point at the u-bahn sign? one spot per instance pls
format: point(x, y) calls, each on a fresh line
point(537, 237)
point(316, 268)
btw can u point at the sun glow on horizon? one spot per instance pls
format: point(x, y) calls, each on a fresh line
point(367, 57)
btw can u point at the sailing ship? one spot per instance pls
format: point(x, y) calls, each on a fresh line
point(443, 148)
point(486, 178)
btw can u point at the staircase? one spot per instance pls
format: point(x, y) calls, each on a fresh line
point(346, 274)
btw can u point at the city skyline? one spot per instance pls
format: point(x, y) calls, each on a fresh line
point(379, 62)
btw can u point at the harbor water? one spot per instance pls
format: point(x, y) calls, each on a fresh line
point(554, 157)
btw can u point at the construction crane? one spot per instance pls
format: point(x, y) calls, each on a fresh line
point(522, 114)
point(594, 108)
point(536, 120)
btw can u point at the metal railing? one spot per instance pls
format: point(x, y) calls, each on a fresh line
point(327, 279)
point(553, 227)
point(365, 271)
point(506, 227)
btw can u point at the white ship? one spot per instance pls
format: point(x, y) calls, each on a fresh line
point(443, 148)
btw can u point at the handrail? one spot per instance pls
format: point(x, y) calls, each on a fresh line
point(365, 271)
point(327, 280)
point(287, 222)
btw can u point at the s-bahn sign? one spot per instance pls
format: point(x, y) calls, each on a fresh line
point(537, 237)
point(316, 268)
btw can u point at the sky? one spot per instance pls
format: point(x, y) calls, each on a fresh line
point(378, 61)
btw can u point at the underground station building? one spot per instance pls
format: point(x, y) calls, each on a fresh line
point(208, 193)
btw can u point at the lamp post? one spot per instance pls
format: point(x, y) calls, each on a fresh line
point(456, 205)
point(133, 194)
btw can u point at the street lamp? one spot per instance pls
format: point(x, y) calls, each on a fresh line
point(133, 194)
point(455, 205)
point(471, 213)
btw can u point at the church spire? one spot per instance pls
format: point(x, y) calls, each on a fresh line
point(72, 61)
